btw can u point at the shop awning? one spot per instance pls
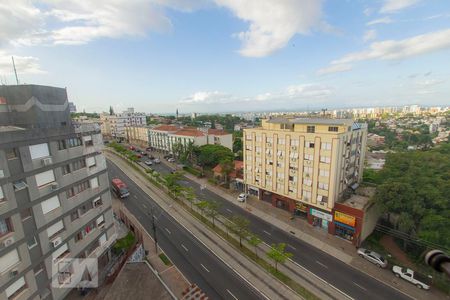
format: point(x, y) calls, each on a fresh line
point(344, 225)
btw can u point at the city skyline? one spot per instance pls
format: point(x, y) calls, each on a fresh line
point(213, 56)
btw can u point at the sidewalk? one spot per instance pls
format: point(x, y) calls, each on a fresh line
point(334, 246)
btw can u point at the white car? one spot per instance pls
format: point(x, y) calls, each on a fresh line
point(157, 161)
point(242, 197)
point(171, 160)
point(373, 257)
point(148, 162)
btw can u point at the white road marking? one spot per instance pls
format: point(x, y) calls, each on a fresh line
point(144, 206)
point(204, 268)
point(184, 247)
point(168, 231)
point(135, 197)
point(326, 267)
point(361, 287)
point(232, 294)
point(292, 247)
point(229, 210)
point(268, 233)
point(155, 217)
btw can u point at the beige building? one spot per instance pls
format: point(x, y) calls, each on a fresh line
point(137, 135)
point(304, 165)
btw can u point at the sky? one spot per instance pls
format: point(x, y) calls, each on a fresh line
point(230, 55)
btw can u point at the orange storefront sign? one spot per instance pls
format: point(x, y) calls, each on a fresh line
point(344, 218)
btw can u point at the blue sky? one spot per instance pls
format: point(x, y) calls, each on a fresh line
point(230, 55)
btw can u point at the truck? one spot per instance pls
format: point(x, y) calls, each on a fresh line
point(419, 280)
point(120, 188)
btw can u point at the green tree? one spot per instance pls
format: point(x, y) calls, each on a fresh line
point(237, 145)
point(239, 226)
point(278, 254)
point(202, 205)
point(212, 210)
point(210, 155)
point(227, 167)
point(190, 195)
point(255, 241)
point(111, 111)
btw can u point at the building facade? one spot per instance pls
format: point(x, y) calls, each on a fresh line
point(304, 165)
point(138, 135)
point(55, 201)
point(164, 137)
point(114, 125)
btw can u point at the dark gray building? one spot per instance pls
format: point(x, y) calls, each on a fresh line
point(55, 201)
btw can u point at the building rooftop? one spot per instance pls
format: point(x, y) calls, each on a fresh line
point(166, 128)
point(137, 281)
point(189, 132)
point(217, 132)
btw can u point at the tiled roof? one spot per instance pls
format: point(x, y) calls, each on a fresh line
point(189, 132)
point(217, 132)
point(166, 128)
point(238, 165)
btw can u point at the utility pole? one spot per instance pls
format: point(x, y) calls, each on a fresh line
point(15, 71)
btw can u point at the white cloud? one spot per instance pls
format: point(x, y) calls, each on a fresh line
point(370, 35)
point(272, 23)
point(392, 49)
point(334, 69)
point(391, 6)
point(367, 11)
point(385, 20)
point(24, 64)
point(18, 19)
point(290, 93)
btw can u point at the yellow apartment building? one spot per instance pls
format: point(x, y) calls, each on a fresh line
point(304, 165)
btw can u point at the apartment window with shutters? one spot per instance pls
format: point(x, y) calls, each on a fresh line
point(306, 195)
point(90, 162)
point(26, 214)
point(65, 169)
point(326, 146)
point(325, 159)
point(333, 129)
point(79, 164)
point(39, 151)
point(88, 142)
point(16, 288)
point(323, 186)
point(97, 202)
point(2, 196)
point(281, 141)
point(44, 178)
point(74, 215)
point(310, 129)
point(324, 173)
point(5, 226)
point(62, 145)
point(73, 142)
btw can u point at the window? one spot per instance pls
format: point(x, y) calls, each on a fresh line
point(88, 141)
point(39, 151)
point(50, 204)
point(5, 226)
point(31, 242)
point(16, 288)
point(74, 215)
point(100, 221)
point(2, 197)
point(60, 252)
point(306, 195)
point(73, 142)
point(25, 214)
point(79, 236)
point(325, 159)
point(333, 129)
point(90, 161)
point(326, 146)
point(309, 144)
point(295, 142)
point(62, 145)
point(323, 186)
point(309, 157)
point(307, 170)
point(55, 229)
point(324, 173)
point(102, 239)
point(9, 260)
point(19, 185)
point(65, 169)
point(97, 202)
point(310, 129)
point(11, 153)
point(94, 183)
point(307, 182)
point(44, 178)
point(79, 164)
point(281, 141)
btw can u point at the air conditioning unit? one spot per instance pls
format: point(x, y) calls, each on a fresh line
point(13, 273)
point(8, 241)
point(56, 242)
point(46, 161)
point(54, 186)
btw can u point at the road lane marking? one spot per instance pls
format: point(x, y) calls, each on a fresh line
point(326, 267)
point(289, 245)
point(184, 247)
point(268, 233)
point(135, 197)
point(144, 206)
point(168, 231)
point(229, 210)
point(361, 287)
point(204, 268)
point(155, 217)
point(232, 294)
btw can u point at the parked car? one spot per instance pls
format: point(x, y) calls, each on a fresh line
point(171, 160)
point(148, 162)
point(373, 257)
point(419, 280)
point(144, 153)
point(148, 149)
point(138, 155)
point(132, 148)
point(242, 197)
point(151, 156)
point(157, 161)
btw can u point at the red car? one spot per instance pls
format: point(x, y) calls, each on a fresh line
point(132, 148)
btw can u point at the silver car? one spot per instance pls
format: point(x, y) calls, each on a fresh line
point(373, 257)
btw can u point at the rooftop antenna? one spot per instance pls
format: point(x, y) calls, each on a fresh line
point(15, 71)
point(324, 111)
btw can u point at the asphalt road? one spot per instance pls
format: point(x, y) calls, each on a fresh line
point(352, 282)
point(194, 260)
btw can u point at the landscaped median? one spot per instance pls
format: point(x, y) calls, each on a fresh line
point(235, 231)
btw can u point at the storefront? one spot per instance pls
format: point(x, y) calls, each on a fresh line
point(344, 225)
point(301, 209)
point(319, 218)
point(254, 191)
